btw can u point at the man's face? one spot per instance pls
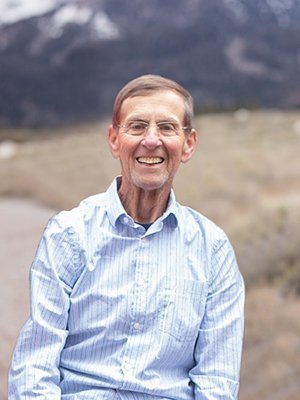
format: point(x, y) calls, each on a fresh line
point(150, 161)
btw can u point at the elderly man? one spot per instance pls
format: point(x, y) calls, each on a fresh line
point(134, 296)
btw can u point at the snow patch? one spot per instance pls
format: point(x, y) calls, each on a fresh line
point(238, 9)
point(65, 12)
point(281, 8)
point(235, 53)
point(105, 28)
point(70, 13)
point(8, 149)
point(12, 11)
point(99, 22)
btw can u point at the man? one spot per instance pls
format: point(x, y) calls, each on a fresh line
point(134, 296)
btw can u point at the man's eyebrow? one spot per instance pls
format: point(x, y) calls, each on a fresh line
point(145, 119)
point(133, 118)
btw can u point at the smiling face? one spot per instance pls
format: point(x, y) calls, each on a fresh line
point(149, 162)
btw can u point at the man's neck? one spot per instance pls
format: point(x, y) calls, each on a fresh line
point(144, 206)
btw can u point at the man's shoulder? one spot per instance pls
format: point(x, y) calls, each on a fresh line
point(195, 221)
point(91, 202)
point(92, 207)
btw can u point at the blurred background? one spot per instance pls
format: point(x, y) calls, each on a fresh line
point(61, 65)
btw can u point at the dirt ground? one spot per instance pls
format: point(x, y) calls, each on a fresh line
point(22, 222)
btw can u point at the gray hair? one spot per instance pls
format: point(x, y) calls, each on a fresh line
point(147, 84)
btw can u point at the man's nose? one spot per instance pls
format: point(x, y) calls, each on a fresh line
point(152, 139)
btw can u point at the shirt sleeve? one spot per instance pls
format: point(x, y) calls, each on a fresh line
point(219, 344)
point(34, 371)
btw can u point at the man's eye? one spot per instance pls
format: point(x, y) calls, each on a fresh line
point(137, 126)
point(166, 126)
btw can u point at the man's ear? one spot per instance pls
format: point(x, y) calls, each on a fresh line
point(189, 146)
point(113, 141)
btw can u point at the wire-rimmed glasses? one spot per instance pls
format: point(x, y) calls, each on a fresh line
point(140, 127)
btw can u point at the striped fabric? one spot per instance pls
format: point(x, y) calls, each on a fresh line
point(120, 312)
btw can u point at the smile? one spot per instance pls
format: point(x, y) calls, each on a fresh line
point(150, 160)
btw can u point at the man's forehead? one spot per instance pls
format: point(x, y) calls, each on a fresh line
point(158, 103)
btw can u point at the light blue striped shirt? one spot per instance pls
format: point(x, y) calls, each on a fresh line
point(118, 312)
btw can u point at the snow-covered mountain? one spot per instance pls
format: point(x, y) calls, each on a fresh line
point(57, 15)
point(82, 11)
point(12, 11)
point(64, 59)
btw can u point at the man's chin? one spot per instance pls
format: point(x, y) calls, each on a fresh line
point(152, 184)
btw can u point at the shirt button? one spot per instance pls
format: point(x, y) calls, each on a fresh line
point(127, 367)
point(137, 326)
point(125, 220)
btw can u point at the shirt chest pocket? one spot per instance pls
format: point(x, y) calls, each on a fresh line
point(183, 308)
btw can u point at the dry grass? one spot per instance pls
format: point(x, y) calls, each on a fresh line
point(271, 363)
point(245, 176)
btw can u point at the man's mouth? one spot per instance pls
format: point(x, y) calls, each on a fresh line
point(150, 160)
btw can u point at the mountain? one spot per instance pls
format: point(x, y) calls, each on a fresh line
point(63, 61)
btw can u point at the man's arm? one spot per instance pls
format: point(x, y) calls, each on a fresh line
point(219, 345)
point(34, 371)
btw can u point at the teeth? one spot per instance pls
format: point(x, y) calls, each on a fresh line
point(150, 160)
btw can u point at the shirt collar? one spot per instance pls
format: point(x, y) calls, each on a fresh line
point(115, 209)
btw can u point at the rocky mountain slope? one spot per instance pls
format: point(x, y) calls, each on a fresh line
point(62, 61)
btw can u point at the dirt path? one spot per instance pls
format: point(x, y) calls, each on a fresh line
point(21, 225)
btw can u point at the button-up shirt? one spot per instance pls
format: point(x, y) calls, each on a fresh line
point(121, 312)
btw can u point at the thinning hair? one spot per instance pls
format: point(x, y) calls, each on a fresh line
point(148, 84)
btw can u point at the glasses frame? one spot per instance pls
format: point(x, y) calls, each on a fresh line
point(148, 125)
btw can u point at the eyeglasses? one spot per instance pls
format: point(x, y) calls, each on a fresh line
point(165, 128)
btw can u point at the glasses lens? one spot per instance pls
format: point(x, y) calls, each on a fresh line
point(168, 128)
point(136, 128)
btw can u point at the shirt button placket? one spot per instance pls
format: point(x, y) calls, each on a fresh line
point(127, 371)
point(141, 281)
